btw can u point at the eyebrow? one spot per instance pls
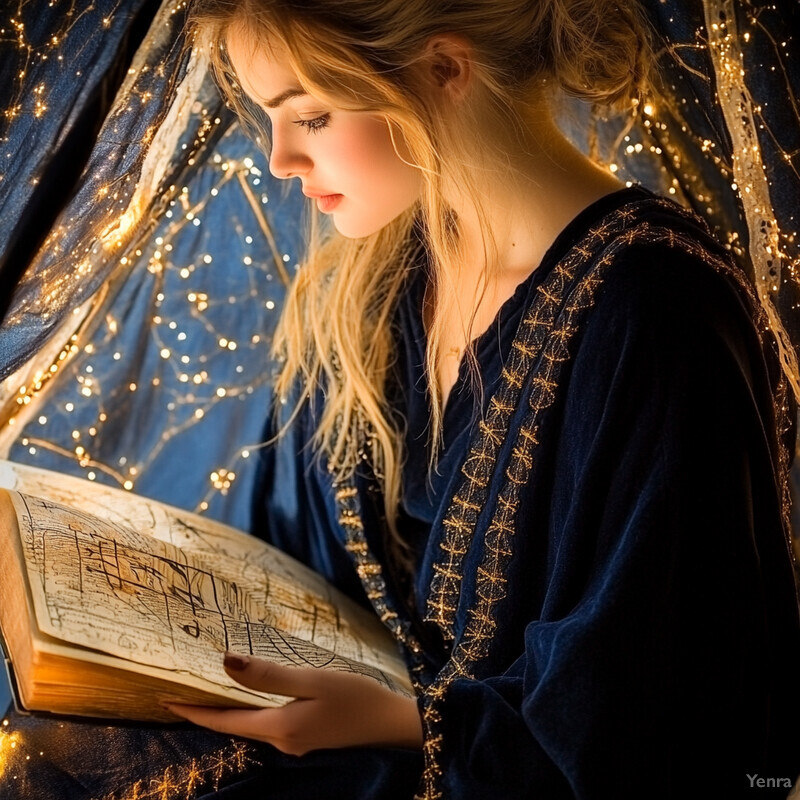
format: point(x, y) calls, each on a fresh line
point(284, 96)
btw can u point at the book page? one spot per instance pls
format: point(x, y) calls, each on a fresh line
point(103, 586)
point(269, 576)
point(184, 529)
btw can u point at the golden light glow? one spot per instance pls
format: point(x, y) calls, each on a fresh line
point(116, 235)
point(8, 745)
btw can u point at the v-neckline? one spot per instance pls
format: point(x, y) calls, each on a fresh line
point(492, 349)
point(551, 257)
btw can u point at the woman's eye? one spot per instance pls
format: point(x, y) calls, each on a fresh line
point(314, 125)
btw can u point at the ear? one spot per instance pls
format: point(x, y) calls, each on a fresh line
point(448, 64)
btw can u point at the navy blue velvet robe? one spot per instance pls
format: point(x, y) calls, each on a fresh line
point(604, 602)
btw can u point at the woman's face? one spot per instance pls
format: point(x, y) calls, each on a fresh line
point(345, 160)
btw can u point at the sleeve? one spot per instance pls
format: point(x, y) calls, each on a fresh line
point(661, 660)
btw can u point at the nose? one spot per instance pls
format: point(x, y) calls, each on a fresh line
point(288, 158)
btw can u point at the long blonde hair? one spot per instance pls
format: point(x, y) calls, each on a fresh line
point(335, 331)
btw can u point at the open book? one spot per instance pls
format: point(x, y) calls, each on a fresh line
point(111, 604)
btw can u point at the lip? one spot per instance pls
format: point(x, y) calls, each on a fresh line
point(325, 202)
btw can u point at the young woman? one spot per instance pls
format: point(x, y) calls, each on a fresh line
point(548, 438)
point(533, 418)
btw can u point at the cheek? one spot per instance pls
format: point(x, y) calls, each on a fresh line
point(370, 147)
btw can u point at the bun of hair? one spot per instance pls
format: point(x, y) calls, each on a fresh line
point(598, 50)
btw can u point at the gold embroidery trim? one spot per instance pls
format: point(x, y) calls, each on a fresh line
point(370, 573)
point(186, 781)
point(539, 327)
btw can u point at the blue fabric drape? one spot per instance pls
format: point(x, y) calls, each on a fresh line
point(176, 235)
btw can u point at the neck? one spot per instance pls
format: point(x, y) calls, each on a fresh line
point(544, 184)
point(548, 183)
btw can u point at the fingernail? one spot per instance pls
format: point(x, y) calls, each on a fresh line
point(235, 662)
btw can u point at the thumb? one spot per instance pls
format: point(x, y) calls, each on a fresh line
point(266, 676)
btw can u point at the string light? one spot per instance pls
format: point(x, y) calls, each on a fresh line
point(9, 741)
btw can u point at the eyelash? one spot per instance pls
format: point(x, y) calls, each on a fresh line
point(314, 125)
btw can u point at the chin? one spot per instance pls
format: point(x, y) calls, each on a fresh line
point(352, 228)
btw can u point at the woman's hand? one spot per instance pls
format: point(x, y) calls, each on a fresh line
point(331, 709)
